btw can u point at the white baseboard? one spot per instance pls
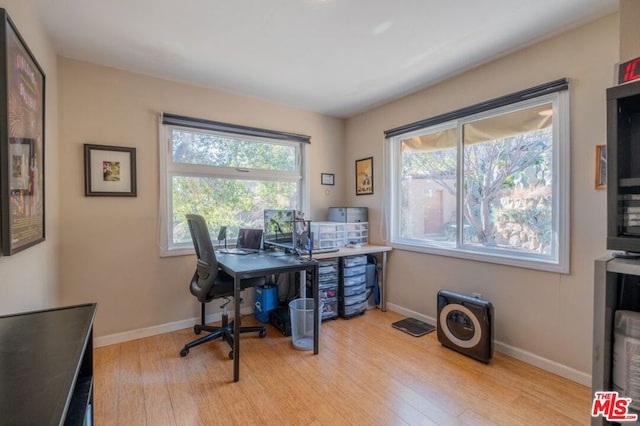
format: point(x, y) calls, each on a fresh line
point(126, 336)
point(519, 354)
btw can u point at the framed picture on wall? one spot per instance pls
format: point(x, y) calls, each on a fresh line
point(364, 176)
point(327, 178)
point(109, 171)
point(21, 143)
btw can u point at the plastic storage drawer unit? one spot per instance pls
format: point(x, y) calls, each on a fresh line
point(352, 289)
point(356, 233)
point(328, 293)
point(355, 270)
point(355, 289)
point(328, 280)
point(354, 261)
point(352, 310)
point(356, 298)
point(330, 309)
point(354, 280)
point(327, 234)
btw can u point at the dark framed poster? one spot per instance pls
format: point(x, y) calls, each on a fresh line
point(21, 142)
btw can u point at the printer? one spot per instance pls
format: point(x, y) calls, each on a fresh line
point(348, 214)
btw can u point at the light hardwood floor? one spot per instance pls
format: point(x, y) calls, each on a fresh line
point(367, 373)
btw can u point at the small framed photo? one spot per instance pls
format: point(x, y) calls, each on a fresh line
point(109, 171)
point(22, 158)
point(601, 167)
point(364, 176)
point(327, 178)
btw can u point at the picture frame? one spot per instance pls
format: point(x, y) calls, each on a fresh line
point(109, 171)
point(22, 118)
point(327, 179)
point(601, 167)
point(364, 176)
point(21, 156)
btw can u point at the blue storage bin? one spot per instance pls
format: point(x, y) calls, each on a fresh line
point(267, 295)
point(263, 317)
point(266, 299)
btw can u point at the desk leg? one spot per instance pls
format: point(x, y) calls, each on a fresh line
point(316, 310)
point(383, 283)
point(236, 330)
point(303, 284)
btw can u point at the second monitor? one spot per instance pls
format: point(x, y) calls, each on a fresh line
point(279, 229)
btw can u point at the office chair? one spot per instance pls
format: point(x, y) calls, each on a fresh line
point(209, 283)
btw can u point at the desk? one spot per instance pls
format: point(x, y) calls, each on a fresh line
point(46, 366)
point(258, 265)
point(365, 249)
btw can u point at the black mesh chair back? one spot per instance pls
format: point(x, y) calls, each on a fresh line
point(204, 279)
point(209, 283)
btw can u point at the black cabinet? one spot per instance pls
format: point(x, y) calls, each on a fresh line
point(623, 174)
point(616, 287)
point(46, 366)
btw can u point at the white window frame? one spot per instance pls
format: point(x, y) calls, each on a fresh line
point(559, 261)
point(168, 169)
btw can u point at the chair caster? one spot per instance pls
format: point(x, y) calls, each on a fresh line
point(184, 351)
point(196, 329)
point(262, 334)
point(231, 355)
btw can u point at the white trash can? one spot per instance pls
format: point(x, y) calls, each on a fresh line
point(301, 313)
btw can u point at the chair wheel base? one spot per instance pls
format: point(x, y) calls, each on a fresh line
point(184, 351)
point(262, 334)
point(231, 355)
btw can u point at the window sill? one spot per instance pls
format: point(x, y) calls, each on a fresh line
point(500, 259)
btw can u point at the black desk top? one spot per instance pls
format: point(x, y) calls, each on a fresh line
point(40, 353)
point(257, 264)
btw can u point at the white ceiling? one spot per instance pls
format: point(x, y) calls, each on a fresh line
point(337, 57)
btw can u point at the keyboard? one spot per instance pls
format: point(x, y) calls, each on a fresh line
point(318, 251)
point(238, 251)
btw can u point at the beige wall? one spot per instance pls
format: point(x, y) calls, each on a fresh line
point(629, 18)
point(542, 317)
point(29, 279)
point(109, 246)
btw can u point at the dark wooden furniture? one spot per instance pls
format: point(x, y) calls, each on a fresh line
point(616, 284)
point(46, 366)
point(623, 168)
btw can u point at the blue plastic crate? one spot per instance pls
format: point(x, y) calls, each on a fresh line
point(267, 296)
point(263, 317)
point(266, 299)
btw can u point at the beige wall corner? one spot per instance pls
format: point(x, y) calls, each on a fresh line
point(29, 279)
point(629, 29)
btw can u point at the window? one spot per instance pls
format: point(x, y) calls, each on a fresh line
point(488, 183)
point(229, 174)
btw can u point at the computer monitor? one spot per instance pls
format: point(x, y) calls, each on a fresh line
point(249, 238)
point(279, 228)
